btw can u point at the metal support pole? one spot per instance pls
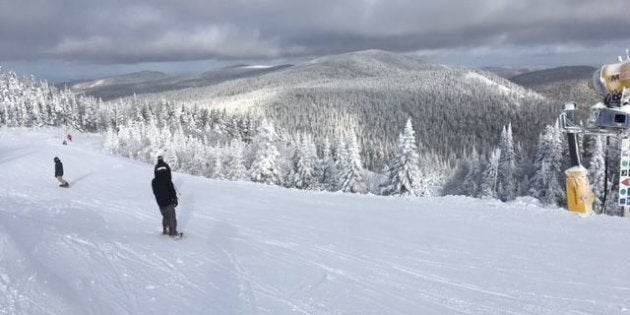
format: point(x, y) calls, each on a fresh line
point(574, 149)
point(579, 195)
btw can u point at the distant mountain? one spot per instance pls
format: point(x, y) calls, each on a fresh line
point(562, 85)
point(548, 76)
point(375, 92)
point(152, 82)
point(507, 72)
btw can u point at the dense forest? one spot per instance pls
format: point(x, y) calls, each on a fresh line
point(250, 144)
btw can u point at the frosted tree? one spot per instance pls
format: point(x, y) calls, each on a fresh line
point(597, 170)
point(471, 179)
point(352, 175)
point(216, 170)
point(112, 143)
point(327, 168)
point(264, 168)
point(304, 163)
point(404, 176)
point(235, 166)
point(170, 157)
point(507, 171)
point(490, 174)
point(524, 169)
point(340, 156)
point(548, 167)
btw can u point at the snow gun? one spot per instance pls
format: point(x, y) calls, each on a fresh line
point(609, 117)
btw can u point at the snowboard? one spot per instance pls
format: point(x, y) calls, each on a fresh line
point(176, 237)
point(67, 185)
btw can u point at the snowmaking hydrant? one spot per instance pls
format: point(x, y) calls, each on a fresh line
point(609, 117)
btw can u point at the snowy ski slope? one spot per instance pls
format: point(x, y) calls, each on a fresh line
point(96, 247)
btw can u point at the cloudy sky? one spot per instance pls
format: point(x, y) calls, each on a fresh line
point(69, 39)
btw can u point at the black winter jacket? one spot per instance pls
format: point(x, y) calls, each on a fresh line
point(58, 169)
point(164, 191)
point(161, 164)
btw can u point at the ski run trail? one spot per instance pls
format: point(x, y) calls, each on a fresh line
point(97, 248)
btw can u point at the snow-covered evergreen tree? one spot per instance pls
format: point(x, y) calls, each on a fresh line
point(546, 183)
point(471, 180)
point(352, 174)
point(327, 171)
point(235, 166)
point(489, 182)
point(217, 166)
point(304, 158)
point(404, 176)
point(111, 144)
point(170, 157)
point(507, 181)
point(264, 168)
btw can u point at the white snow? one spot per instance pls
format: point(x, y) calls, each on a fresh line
point(96, 247)
point(89, 84)
point(257, 67)
point(487, 81)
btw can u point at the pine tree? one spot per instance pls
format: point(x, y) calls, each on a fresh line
point(327, 172)
point(217, 166)
point(470, 186)
point(489, 185)
point(352, 175)
point(548, 165)
point(112, 143)
point(235, 166)
point(171, 158)
point(507, 166)
point(404, 174)
point(303, 172)
point(264, 168)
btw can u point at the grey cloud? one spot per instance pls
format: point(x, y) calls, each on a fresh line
point(134, 31)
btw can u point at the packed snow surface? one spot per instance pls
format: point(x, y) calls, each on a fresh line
point(96, 247)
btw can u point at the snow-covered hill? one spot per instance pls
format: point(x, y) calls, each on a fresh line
point(96, 247)
point(151, 82)
point(374, 93)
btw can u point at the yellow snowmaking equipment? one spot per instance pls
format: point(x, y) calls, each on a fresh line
point(609, 117)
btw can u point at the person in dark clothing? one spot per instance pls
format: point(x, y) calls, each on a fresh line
point(59, 173)
point(166, 198)
point(163, 165)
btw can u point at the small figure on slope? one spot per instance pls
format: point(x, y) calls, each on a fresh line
point(166, 198)
point(59, 173)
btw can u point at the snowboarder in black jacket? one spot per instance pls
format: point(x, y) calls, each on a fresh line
point(59, 173)
point(166, 198)
point(164, 165)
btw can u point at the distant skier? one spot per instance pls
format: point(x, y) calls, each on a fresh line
point(166, 198)
point(161, 163)
point(69, 137)
point(59, 173)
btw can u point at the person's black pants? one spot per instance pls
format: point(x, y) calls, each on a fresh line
point(168, 219)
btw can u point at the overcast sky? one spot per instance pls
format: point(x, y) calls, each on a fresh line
point(68, 39)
